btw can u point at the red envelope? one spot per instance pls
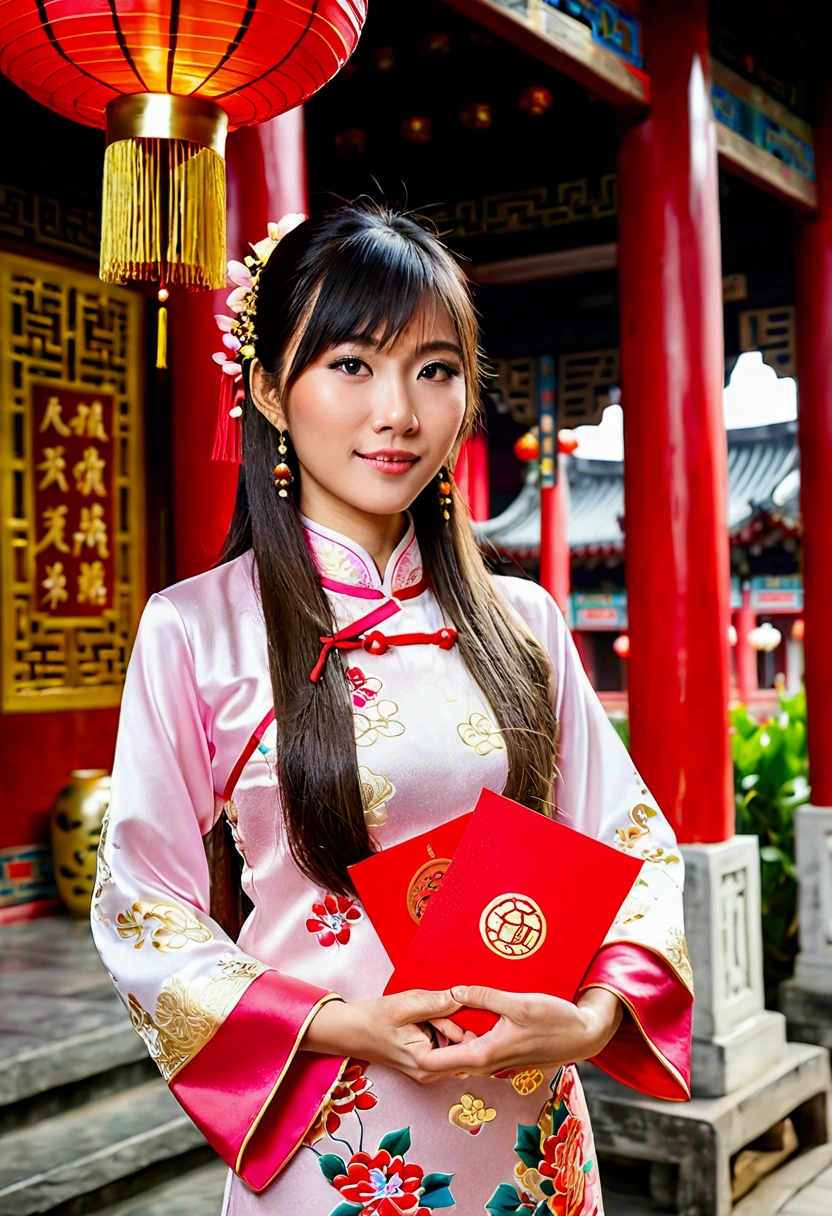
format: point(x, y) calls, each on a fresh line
point(396, 884)
point(524, 907)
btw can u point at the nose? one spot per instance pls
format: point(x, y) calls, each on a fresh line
point(393, 409)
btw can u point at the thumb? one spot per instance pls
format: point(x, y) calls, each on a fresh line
point(419, 1005)
point(476, 996)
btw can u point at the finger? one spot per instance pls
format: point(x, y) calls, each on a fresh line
point(418, 1005)
point(507, 1004)
point(450, 1029)
point(469, 1057)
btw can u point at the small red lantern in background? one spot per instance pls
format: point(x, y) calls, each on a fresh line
point(621, 646)
point(527, 447)
point(167, 81)
point(417, 129)
point(798, 629)
point(535, 101)
point(476, 116)
point(567, 442)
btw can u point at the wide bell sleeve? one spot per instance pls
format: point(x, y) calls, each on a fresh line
point(644, 957)
point(223, 1028)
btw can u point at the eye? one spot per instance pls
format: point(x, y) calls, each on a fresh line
point(438, 371)
point(350, 365)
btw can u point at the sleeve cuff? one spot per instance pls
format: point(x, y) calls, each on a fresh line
point(650, 1051)
point(250, 1091)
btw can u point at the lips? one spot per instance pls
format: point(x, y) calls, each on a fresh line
point(389, 461)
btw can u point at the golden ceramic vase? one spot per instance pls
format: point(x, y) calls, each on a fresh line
point(77, 817)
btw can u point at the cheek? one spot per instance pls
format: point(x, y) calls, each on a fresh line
point(322, 418)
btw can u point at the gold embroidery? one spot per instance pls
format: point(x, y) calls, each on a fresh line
point(527, 1081)
point(471, 1114)
point(638, 830)
point(677, 954)
point(424, 882)
point(375, 792)
point(166, 926)
point(480, 734)
point(529, 1182)
point(184, 1021)
point(376, 721)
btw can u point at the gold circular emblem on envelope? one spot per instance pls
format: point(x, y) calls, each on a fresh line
point(513, 926)
point(424, 882)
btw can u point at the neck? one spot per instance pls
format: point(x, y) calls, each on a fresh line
point(377, 534)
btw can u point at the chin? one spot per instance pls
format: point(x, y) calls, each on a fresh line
point(380, 500)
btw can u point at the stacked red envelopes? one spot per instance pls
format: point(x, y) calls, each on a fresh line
point(523, 907)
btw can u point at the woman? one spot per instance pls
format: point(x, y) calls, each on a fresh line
point(265, 690)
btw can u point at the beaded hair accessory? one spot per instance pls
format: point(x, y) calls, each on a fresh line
point(239, 336)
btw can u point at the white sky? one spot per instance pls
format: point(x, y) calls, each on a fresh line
point(755, 396)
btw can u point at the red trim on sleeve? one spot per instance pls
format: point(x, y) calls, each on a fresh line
point(247, 1090)
point(651, 1048)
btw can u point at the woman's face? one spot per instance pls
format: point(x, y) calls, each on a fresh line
point(370, 427)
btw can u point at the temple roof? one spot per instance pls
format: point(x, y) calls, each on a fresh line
point(763, 478)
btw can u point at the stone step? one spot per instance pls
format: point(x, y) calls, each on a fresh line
point(109, 1149)
point(200, 1191)
point(60, 1020)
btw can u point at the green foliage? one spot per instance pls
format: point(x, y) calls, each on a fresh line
point(770, 780)
point(622, 729)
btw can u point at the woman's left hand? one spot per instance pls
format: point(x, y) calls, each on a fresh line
point(534, 1029)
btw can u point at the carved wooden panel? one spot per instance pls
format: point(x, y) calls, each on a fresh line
point(71, 485)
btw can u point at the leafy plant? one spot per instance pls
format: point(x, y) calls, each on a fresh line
point(770, 780)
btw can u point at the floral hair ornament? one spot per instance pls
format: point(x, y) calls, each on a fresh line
point(239, 336)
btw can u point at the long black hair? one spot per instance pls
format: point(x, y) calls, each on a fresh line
point(364, 269)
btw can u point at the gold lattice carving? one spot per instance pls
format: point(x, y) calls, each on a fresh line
point(584, 383)
point(71, 486)
point(514, 385)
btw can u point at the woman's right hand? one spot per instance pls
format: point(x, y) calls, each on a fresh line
point(384, 1030)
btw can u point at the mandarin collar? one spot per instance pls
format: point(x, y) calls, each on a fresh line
point(344, 567)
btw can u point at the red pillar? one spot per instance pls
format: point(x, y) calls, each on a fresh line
point(675, 468)
point(555, 573)
point(746, 620)
point(813, 297)
point(266, 179)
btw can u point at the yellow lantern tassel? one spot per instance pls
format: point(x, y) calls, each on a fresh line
point(162, 338)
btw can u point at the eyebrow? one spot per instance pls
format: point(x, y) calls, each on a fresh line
point(427, 348)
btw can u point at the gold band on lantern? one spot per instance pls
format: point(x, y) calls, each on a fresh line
point(160, 116)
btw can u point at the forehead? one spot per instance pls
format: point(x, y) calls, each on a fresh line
point(431, 322)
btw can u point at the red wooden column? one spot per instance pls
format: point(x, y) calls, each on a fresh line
point(266, 169)
point(675, 468)
point(746, 620)
point(555, 572)
point(471, 475)
point(813, 297)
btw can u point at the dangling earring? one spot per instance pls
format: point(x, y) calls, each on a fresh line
point(444, 492)
point(283, 477)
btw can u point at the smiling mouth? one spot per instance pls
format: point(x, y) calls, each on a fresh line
point(389, 464)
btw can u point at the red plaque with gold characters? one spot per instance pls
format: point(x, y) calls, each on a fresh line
point(524, 906)
point(75, 506)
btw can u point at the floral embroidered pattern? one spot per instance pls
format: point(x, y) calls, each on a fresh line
point(480, 734)
point(332, 919)
point(375, 793)
point(334, 560)
point(364, 688)
point(677, 954)
point(165, 926)
point(553, 1173)
point(637, 832)
point(349, 1093)
point(103, 873)
point(384, 1183)
point(376, 721)
point(186, 1018)
point(471, 1114)
point(527, 1081)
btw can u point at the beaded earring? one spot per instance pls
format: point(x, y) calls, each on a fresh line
point(283, 477)
point(444, 488)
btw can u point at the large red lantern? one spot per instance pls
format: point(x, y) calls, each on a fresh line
point(167, 79)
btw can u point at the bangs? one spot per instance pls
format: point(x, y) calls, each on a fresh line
point(376, 281)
